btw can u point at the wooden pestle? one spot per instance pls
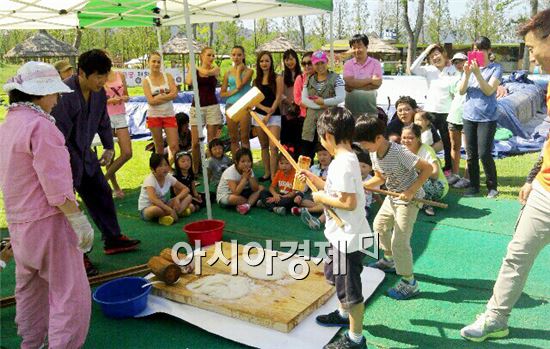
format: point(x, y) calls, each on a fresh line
point(167, 255)
point(164, 270)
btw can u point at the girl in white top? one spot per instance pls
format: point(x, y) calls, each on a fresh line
point(154, 199)
point(160, 90)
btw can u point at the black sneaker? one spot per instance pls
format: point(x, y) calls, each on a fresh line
point(90, 268)
point(120, 244)
point(345, 342)
point(332, 320)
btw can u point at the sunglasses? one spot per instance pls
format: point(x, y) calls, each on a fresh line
point(183, 152)
point(307, 63)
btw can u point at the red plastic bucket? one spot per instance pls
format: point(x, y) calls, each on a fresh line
point(207, 231)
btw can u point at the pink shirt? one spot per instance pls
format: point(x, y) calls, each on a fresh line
point(115, 89)
point(372, 67)
point(35, 172)
point(298, 87)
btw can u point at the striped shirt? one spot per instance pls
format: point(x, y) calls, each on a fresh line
point(398, 168)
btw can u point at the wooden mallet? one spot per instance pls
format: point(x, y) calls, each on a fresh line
point(243, 107)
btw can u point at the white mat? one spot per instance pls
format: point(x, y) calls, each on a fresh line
point(308, 334)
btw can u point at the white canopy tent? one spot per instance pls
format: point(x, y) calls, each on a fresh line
point(68, 14)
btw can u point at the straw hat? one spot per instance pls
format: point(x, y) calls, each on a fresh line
point(37, 79)
point(61, 66)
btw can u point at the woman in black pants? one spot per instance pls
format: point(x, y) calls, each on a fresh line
point(479, 83)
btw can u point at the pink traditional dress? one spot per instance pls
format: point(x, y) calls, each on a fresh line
point(52, 290)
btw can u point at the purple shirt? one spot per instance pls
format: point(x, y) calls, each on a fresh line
point(35, 174)
point(370, 68)
point(79, 121)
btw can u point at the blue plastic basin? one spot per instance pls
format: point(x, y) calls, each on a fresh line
point(122, 298)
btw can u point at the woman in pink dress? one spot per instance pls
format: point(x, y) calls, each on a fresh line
point(48, 231)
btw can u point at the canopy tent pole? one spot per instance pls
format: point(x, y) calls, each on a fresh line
point(197, 105)
point(157, 29)
point(331, 38)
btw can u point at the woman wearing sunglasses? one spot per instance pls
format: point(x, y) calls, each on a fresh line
point(322, 90)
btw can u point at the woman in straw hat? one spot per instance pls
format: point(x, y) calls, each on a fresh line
point(48, 231)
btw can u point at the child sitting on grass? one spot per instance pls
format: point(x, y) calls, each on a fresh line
point(217, 163)
point(238, 186)
point(436, 187)
point(305, 200)
point(405, 173)
point(154, 199)
point(280, 196)
point(343, 192)
point(183, 172)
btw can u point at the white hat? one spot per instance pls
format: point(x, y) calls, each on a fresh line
point(37, 79)
point(459, 56)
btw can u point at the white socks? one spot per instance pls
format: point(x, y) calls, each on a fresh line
point(355, 337)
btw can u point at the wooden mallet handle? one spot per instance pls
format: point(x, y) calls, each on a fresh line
point(285, 153)
point(394, 194)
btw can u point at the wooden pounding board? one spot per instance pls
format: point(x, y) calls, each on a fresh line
point(274, 304)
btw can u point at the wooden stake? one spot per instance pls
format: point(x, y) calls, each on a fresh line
point(394, 194)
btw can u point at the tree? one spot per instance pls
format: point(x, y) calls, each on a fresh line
point(341, 16)
point(320, 30)
point(412, 34)
point(227, 35)
point(438, 22)
point(381, 20)
point(302, 31)
point(361, 17)
point(487, 18)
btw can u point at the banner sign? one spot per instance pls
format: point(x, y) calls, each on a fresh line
point(135, 77)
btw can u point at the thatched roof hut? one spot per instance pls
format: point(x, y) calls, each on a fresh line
point(279, 45)
point(178, 45)
point(42, 45)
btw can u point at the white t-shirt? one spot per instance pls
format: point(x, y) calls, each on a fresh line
point(344, 176)
point(368, 193)
point(230, 174)
point(427, 137)
point(163, 192)
point(438, 96)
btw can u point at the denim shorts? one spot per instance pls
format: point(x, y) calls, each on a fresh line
point(118, 121)
point(274, 120)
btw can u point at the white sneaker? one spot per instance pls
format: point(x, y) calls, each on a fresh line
point(453, 178)
point(492, 194)
point(462, 183)
point(484, 327)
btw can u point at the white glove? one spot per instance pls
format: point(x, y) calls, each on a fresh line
point(83, 230)
point(106, 157)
